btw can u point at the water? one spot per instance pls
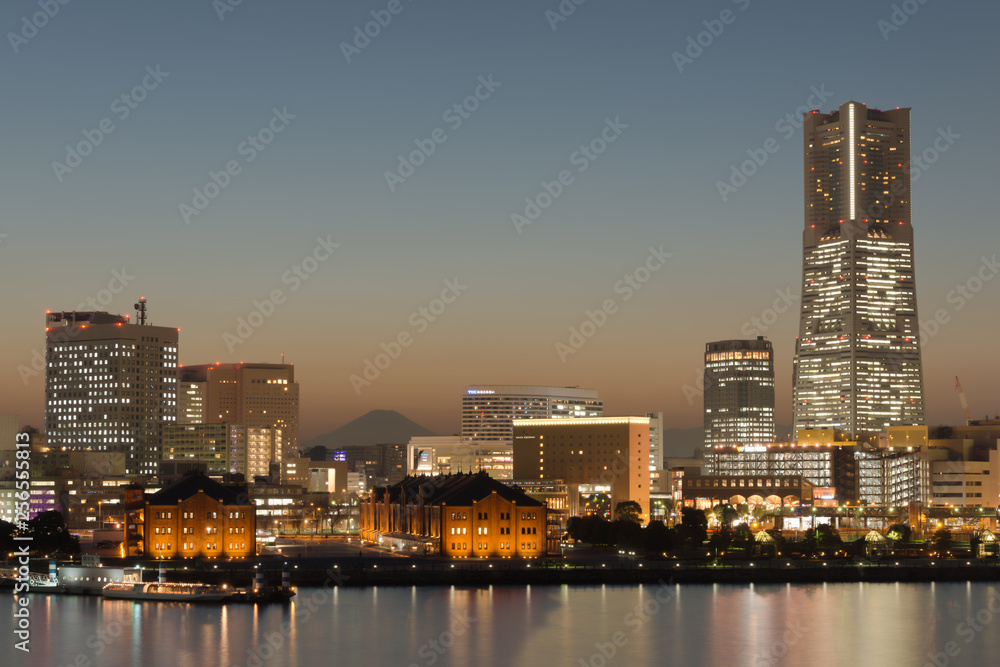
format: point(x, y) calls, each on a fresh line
point(816, 625)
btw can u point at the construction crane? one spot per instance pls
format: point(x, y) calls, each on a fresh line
point(965, 403)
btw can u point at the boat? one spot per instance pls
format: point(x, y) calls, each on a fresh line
point(133, 588)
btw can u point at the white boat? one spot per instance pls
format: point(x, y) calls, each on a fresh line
point(174, 592)
point(132, 588)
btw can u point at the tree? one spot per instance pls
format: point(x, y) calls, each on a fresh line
point(694, 526)
point(627, 534)
point(628, 510)
point(720, 540)
point(49, 534)
point(943, 540)
point(657, 538)
point(725, 515)
point(827, 537)
point(899, 532)
point(743, 537)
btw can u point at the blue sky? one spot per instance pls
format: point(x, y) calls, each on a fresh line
point(554, 90)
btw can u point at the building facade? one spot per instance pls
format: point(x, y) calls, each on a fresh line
point(488, 413)
point(255, 395)
point(224, 448)
point(599, 455)
point(655, 448)
point(197, 517)
point(457, 516)
point(110, 386)
point(739, 392)
point(857, 363)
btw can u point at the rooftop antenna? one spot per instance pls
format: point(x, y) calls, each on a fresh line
point(140, 308)
point(282, 358)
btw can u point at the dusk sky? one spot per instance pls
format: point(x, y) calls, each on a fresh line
point(127, 211)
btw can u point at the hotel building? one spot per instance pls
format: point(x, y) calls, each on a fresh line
point(608, 455)
point(488, 413)
point(110, 386)
point(857, 364)
point(739, 392)
point(254, 395)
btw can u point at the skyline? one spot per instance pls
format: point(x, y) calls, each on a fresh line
point(503, 294)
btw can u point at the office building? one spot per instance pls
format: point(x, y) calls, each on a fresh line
point(599, 455)
point(488, 412)
point(254, 395)
point(110, 385)
point(857, 364)
point(739, 392)
point(224, 448)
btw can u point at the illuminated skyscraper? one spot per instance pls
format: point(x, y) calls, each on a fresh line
point(857, 358)
point(110, 386)
point(739, 392)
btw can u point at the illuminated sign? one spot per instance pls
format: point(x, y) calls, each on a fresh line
point(749, 449)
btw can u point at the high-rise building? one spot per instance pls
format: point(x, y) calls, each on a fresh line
point(253, 395)
point(110, 386)
point(488, 413)
point(739, 392)
point(857, 358)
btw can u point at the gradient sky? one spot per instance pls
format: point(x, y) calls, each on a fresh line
point(323, 176)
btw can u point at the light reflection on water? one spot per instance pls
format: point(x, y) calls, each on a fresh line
point(718, 625)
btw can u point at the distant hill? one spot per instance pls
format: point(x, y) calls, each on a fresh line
point(682, 442)
point(376, 427)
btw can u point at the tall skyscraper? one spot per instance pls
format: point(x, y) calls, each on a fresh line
point(110, 386)
point(488, 413)
point(739, 392)
point(857, 361)
point(254, 395)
